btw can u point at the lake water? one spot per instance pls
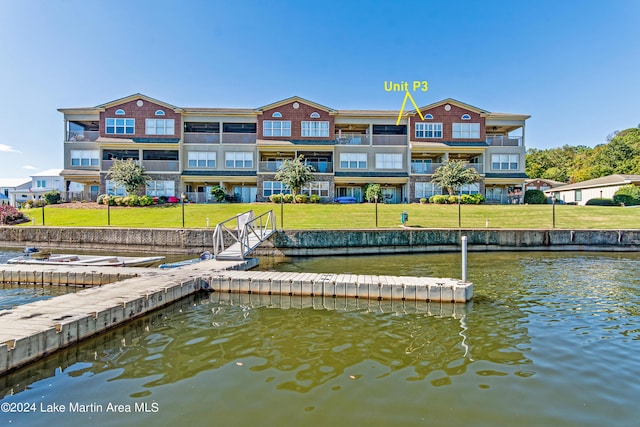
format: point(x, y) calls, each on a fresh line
point(551, 339)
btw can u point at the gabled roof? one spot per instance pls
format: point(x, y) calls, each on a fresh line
point(450, 101)
point(13, 182)
point(605, 181)
point(134, 97)
point(551, 182)
point(48, 172)
point(294, 99)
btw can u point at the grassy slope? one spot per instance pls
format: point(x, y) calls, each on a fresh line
point(349, 216)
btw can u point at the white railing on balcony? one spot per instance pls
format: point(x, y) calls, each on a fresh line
point(161, 165)
point(430, 168)
point(200, 197)
point(238, 138)
point(82, 135)
point(352, 139)
point(389, 139)
point(504, 140)
point(201, 137)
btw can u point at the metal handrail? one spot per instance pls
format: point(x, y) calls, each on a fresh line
point(247, 225)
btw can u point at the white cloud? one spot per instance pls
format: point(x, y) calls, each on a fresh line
point(7, 149)
point(29, 167)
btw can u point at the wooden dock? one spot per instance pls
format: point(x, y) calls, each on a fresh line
point(31, 331)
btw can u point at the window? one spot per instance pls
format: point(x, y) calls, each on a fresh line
point(315, 129)
point(466, 130)
point(201, 159)
point(276, 114)
point(85, 158)
point(41, 183)
point(119, 112)
point(428, 130)
point(427, 189)
point(161, 188)
point(159, 127)
point(388, 161)
point(319, 188)
point(114, 189)
point(159, 113)
point(121, 126)
point(578, 195)
point(470, 189)
point(504, 161)
point(315, 115)
point(353, 160)
point(428, 117)
point(276, 128)
point(238, 159)
point(466, 117)
point(274, 187)
point(421, 166)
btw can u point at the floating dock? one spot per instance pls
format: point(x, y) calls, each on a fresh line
point(31, 331)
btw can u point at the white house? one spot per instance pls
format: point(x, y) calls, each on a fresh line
point(14, 190)
point(600, 188)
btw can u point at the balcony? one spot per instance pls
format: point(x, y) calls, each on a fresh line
point(352, 139)
point(504, 141)
point(273, 166)
point(389, 139)
point(161, 165)
point(202, 137)
point(430, 168)
point(269, 166)
point(82, 135)
point(238, 138)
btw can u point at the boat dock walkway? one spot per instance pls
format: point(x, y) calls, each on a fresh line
point(31, 331)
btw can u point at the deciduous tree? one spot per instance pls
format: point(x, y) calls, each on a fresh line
point(129, 174)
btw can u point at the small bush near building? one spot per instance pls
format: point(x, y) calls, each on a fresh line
point(452, 200)
point(101, 200)
point(534, 197)
point(10, 215)
point(288, 198)
point(601, 202)
point(314, 198)
point(628, 195)
point(423, 200)
point(162, 200)
point(218, 193)
point(52, 197)
point(439, 199)
point(276, 198)
point(301, 198)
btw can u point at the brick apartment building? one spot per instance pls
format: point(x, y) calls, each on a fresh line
point(189, 150)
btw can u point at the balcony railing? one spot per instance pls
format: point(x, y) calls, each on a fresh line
point(430, 168)
point(352, 139)
point(238, 138)
point(161, 165)
point(269, 166)
point(504, 140)
point(273, 166)
point(82, 135)
point(202, 138)
point(321, 167)
point(389, 139)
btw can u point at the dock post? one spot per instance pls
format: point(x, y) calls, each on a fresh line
point(464, 259)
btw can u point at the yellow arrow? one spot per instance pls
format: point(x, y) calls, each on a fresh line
point(404, 101)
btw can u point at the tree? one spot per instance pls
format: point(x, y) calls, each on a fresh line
point(453, 175)
point(129, 173)
point(370, 192)
point(294, 173)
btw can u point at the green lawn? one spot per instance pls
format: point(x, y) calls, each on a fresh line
point(333, 216)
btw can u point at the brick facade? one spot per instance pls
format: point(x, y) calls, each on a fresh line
point(296, 116)
point(140, 113)
point(447, 118)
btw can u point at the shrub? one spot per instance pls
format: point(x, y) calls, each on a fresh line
point(601, 202)
point(439, 199)
point(52, 197)
point(275, 198)
point(288, 198)
point(423, 200)
point(314, 198)
point(478, 198)
point(102, 199)
point(119, 201)
point(218, 193)
point(453, 200)
point(628, 195)
point(162, 200)
point(301, 198)
point(146, 201)
point(534, 197)
point(9, 215)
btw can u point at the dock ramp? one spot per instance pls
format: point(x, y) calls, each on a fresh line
point(246, 232)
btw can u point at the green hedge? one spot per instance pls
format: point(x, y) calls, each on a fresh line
point(534, 197)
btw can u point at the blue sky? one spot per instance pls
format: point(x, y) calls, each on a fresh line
point(574, 66)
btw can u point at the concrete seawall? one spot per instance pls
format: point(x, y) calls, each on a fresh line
point(322, 242)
